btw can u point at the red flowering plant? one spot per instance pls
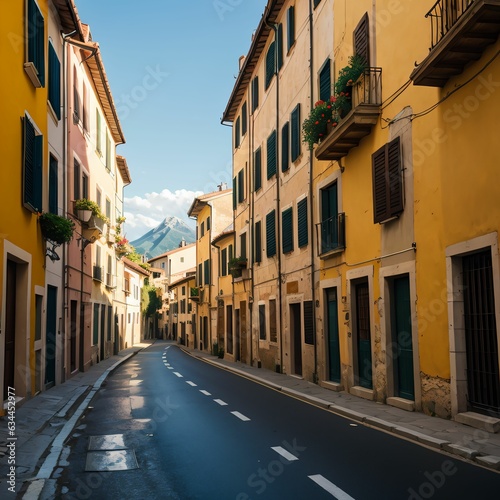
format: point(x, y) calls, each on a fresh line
point(122, 246)
point(315, 126)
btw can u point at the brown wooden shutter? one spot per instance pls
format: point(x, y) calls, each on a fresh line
point(362, 39)
point(387, 182)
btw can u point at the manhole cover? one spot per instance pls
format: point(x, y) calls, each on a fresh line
point(107, 442)
point(98, 461)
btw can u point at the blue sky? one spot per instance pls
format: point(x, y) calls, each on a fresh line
point(171, 66)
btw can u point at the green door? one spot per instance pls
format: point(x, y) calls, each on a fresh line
point(333, 335)
point(329, 215)
point(363, 336)
point(50, 337)
point(403, 338)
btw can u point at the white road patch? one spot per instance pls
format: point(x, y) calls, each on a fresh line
point(205, 392)
point(192, 384)
point(178, 374)
point(220, 402)
point(284, 453)
point(330, 487)
point(240, 416)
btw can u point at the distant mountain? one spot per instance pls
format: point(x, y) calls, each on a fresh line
point(164, 237)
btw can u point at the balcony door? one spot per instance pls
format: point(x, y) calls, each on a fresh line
point(329, 218)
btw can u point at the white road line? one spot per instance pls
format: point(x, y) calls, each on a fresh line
point(330, 487)
point(284, 453)
point(178, 374)
point(205, 392)
point(192, 384)
point(170, 367)
point(220, 402)
point(240, 416)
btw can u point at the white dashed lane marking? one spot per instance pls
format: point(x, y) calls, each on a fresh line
point(330, 487)
point(220, 402)
point(240, 416)
point(178, 374)
point(192, 384)
point(284, 453)
point(205, 392)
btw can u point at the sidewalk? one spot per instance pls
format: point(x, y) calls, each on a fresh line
point(43, 421)
point(448, 436)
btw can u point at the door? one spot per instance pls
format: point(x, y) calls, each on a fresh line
point(483, 379)
point(229, 328)
point(237, 336)
point(243, 327)
point(73, 330)
point(363, 335)
point(220, 324)
point(329, 218)
point(102, 330)
point(401, 317)
point(296, 338)
point(50, 337)
point(10, 327)
point(333, 335)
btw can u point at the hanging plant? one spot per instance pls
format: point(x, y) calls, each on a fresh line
point(56, 228)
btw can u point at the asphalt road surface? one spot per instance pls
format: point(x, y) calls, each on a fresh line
point(184, 429)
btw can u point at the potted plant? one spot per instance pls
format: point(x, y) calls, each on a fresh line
point(122, 246)
point(346, 78)
point(84, 205)
point(56, 228)
point(238, 262)
point(315, 125)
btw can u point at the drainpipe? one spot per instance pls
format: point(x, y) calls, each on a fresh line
point(252, 235)
point(311, 193)
point(274, 27)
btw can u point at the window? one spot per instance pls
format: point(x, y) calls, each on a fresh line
point(54, 82)
point(258, 242)
point(290, 27)
point(325, 82)
point(287, 230)
point(98, 197)
point(271, 155)
point(387, 182)
point(361, 40)
point(223, 262)
point(316, 3)
point(241, 185)
point(257, 169)
point(36, 45)
point(108, 208)
point(108, 152)
point(243, 245)
point(273, 332)
point(53, 184)
point(255, 93)
point(85, 186)
point(330, 239)
point(295, 133)
point(235, 193)
point(308, 322)
point(76, 180)
point(285, 159)
point(271, 234)
point(270, 63)
point(32, 166)
point(208, 229)
point(182, 259)
point(95, 330)
point(279, 46)
point(76, 97)
point(262, 322)
point(200, 274)
point(202, 229)
point(98, 133)
point(237, 137)
point(303, 238)
point(244, 119)
point(85, 108)
point(206, 272)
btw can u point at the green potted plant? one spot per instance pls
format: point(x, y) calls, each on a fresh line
point(346, 78)
point(315, 126)
point(56, 228)
point(86, 205)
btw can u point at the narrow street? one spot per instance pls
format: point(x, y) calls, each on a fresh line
point(185, 429)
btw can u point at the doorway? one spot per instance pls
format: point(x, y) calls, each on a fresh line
point(332, 328)
point(50, 337)
point(296, 338)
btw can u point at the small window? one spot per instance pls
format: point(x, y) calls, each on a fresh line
point(287, 230)
point(223, 262)
point(206, 272)
point(255, 93)
point(244, 119)
point(53, 184)
point(271, 234)
point(257, 169)
point(303, 238)
point(295, 133)
point(98, 133)
point(273, 332)
point(325, 82)
point(76, 97)
point(262, 322)
point(270, 63)
point(279, 46)
point(271, 155)
point(108, 208)
point(202, 229)
point(258, 242)
point(241, 185)
point(285, 158)
point(36, 43)
point(54, 82)
point(290, 27)
point(32, 166)
point(237, 137)
point(108, 152)
point(76, 181)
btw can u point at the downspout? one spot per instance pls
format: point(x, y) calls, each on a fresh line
point(311, 193)
point(274, 27)
point(252, 236)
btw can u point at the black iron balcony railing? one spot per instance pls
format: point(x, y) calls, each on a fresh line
point(330, 234)
point(98, 273)
point(358, 123)
point(443, 16)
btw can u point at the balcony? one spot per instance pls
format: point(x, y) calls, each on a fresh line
point(330, 235)
point(98, 273)
point(194, 294)
point(460, 32)
point(365, 112)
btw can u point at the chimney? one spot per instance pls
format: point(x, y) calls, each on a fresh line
point(222, 186)
point(241, 60)
point(182, 243)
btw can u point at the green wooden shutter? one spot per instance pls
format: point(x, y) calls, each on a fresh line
point(244, 119)
point(271, 234)
point(295, 132)
point(308, 322)
point(287, 230)
point(285, 158)
point(325, 82)
point(33, 166)
point(279, 47)
point(237, 133)
point(257, 169)
point(200, 274)
point(223, 259)
point(290, 27)
point(255, 93)
point(235, 191)
point(303, 234)
point(270, 63)
point(53, 185)
point(258, 242)
point(271, 155)
point(54, 82)
point(206, 272)
point(361, 39)
point(36, 40)
point(241, 186)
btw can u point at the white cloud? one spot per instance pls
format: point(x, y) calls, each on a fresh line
point(145, 213)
